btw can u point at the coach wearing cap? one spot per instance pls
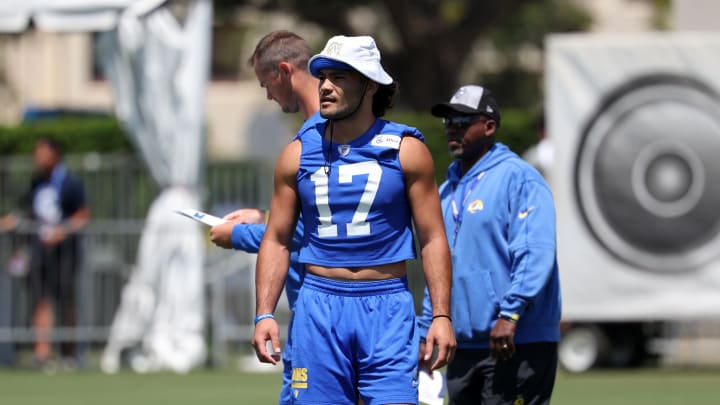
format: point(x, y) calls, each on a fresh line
point(360, 182)
point(499, 216)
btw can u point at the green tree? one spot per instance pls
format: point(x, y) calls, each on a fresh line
point(76, 134)
point(425, 43)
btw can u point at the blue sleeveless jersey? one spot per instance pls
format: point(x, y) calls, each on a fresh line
point(355, 207)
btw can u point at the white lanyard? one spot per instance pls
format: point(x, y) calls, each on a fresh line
point(458, 211)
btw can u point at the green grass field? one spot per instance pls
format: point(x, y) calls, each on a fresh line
point(220, 387)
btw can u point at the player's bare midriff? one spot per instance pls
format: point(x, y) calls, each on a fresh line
point(381, 272)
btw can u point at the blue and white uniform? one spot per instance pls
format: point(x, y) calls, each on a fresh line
point(54, 269)
point(355, 336)
point(356, 211)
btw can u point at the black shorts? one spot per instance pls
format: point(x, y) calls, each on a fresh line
point(474, 377)
point(53, 272)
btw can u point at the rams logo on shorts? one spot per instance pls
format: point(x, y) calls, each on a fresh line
point(299, 378)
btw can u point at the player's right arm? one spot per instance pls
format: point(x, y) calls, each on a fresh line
point(274, 255)
point(235, 232)
point(247, 236)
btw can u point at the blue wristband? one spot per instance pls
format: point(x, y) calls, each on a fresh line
point(263, 316)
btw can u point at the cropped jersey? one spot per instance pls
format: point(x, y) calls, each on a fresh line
point(354, 207)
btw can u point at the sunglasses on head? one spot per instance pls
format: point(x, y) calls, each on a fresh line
point(461, 121)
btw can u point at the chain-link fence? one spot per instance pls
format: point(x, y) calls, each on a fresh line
point(119, 192)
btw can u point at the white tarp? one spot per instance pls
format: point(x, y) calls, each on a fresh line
point(158, 67)
point(635, 123)
point(62, 15)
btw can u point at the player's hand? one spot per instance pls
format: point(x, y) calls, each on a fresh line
point(221, 235)
point(440, 337)
point(246, 216)
point(267, 330)
point(8, 223)
point(424, 365)
point(502, 340)
point(53, 235)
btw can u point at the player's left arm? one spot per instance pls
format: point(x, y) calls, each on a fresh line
point(424, 201)
point(73, 197)
point(532, 244)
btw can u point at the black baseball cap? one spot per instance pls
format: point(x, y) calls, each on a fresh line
point(469, 100)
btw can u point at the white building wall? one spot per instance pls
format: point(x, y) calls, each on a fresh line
point(50, 70)
point(243, 124)
point(696, 15)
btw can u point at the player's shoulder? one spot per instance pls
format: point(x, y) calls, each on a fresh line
point(314, 119)
point(291, 149)
point(71, 183)
point(415, 157)
point(413, 146)
point(315, 123)
point(402, 130)
point(289, 159)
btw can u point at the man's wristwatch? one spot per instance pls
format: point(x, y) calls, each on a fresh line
point(514, 318)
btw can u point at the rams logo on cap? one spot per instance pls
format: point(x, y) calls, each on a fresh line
point(333, 49)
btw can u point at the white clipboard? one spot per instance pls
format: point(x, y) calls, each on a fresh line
point(201, 217)
point(431, 390)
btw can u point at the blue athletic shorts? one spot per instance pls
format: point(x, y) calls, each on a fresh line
point(286, 397)
point(354, 338)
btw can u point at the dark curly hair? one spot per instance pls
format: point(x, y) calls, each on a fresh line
point(383, 98)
